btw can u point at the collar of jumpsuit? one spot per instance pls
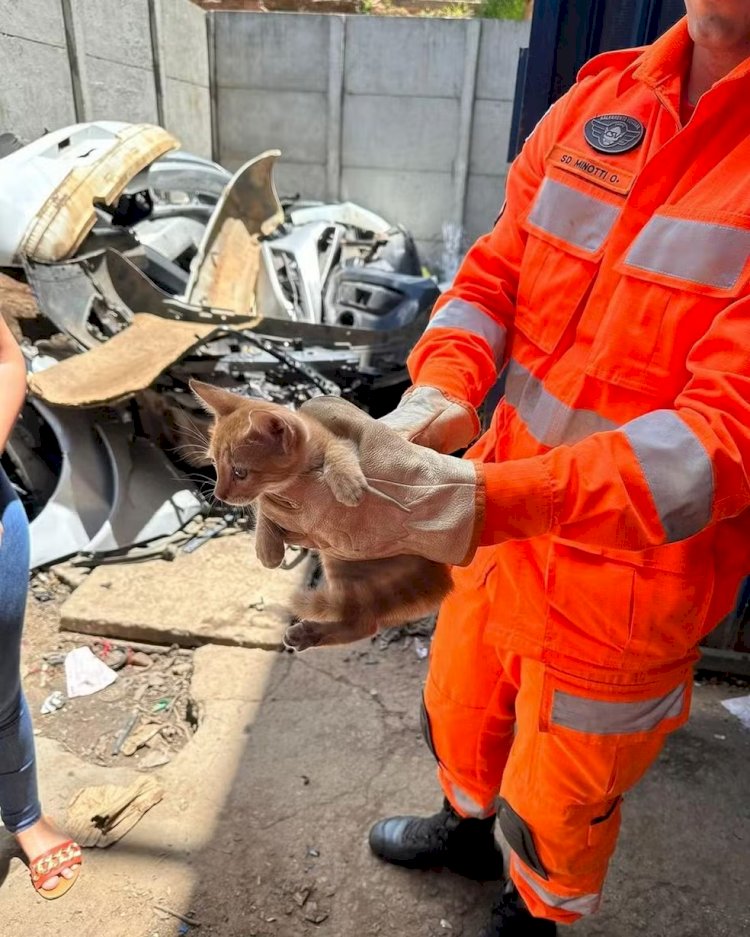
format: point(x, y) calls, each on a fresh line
point(614, 287)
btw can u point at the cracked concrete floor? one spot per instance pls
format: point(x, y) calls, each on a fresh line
point(262, 831)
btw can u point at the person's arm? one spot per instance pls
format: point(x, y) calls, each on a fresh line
point(12, 382)
point(660, 478)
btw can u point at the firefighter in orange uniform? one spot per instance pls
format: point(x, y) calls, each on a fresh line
point(613, 482)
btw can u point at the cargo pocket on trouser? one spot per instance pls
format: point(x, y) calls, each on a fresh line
point(580, 746)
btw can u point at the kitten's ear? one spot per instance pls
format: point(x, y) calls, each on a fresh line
point(215, 399)
point(275, 430)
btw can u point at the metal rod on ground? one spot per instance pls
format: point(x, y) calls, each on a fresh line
point(139, 646)
point(180, 917)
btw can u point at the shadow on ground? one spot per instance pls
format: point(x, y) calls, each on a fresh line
point(335, 744)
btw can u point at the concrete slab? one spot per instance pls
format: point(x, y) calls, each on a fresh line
point(422, 201)
point(184, 48)
point(399, 133)
point(500, 44)
point(41, 21)
point(219, 594)
point(484, 199)
point(120, 92)
point(27, 108)
point(118, 31)
point(153, 864)
point(490, 138)
point(250, 122)
point(187, 114)
point(404, 56)
point(273, 51)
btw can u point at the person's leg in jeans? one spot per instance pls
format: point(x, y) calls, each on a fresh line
point(19, 798)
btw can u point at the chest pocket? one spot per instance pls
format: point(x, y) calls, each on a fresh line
point(567, 228)
point(675, 278)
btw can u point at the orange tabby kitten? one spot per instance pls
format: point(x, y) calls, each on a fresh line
point(261, 448)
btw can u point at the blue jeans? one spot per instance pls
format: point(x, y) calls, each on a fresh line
point(19, 797)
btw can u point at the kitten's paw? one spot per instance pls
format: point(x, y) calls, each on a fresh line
point(347, 489)
point(302, 635)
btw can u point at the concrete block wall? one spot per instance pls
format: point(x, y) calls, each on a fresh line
point(409, 117)
point(118, 59)
point(271, 85)
point(133, 60)
point(182, 49)
point(493, 111)
point(36, 89)
point(402, 119)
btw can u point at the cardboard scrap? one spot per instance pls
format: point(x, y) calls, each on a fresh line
point(101, 815)
point(130, 361)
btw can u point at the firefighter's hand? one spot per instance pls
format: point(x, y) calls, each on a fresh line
point(416, 502)
point(427, 417)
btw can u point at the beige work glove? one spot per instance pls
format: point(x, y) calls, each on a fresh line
point(414, 501)
point(427, 417)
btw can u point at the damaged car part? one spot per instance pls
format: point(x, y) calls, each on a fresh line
point(49, 189)
point(224, 272)
point(89, 487)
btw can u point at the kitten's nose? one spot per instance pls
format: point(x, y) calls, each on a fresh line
point(221, 492)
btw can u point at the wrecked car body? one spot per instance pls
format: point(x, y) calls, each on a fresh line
point(159, 266)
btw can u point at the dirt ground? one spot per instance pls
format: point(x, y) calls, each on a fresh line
point(262, 829)
point(152, 689)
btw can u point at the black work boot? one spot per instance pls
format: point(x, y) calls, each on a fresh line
point(511, 918)
point(444, 840)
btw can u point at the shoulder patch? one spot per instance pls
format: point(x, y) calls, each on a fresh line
point(613, 133)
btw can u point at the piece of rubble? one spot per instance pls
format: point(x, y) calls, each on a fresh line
point(156, 759)
point(314, 913)
point(54, 702)
point(142, 736)
point(209, 596)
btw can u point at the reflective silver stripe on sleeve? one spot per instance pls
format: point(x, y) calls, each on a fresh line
point(581, 904)
point(696, 251)
point(550, 421)
point(573, 216)
point(601, 717)
point(458, 314)
point(678, 471)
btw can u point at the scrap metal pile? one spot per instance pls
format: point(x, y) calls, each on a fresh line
point(150, 266)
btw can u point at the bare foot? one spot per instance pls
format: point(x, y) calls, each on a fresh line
point(40, 838)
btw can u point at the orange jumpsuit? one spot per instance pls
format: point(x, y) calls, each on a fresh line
point(615, 290)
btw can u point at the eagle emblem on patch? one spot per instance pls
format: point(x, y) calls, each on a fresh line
point(613, 133)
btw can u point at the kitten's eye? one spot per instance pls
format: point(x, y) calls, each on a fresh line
point(239, 473)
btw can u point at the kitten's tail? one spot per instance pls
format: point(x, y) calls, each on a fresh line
point(315, 605)
point(385, 592)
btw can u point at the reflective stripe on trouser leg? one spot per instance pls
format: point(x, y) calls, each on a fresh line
point(461, 799)
point(556, 906)
point(469, 702)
